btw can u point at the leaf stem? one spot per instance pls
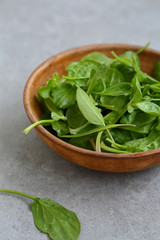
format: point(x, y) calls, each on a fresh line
point(98, 141)
point(29, 128)
point(18, 193)
point(109, 149)
point(143, 48)
point(96, 130)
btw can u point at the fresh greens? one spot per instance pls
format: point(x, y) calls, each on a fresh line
point(104, 104)
point(52, 218)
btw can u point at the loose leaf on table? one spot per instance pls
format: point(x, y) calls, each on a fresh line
point(149, 107)
point(88, 109)
point(52, 218)
point(60, 223)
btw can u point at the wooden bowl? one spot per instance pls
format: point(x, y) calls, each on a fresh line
point(107, 162)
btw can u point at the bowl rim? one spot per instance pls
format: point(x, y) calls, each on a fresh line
point(51, 137)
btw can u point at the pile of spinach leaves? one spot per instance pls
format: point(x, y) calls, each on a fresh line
point(104, 104)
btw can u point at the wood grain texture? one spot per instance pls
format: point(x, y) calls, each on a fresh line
point(107, 162)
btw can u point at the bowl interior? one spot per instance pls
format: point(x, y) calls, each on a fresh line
point(59, 63)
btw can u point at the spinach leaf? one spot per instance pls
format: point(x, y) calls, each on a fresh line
point(60, 127)
point(97, 57)
point(97, 78)
point(152, 141)
point(63, 95)
point(74, 116)
point(58, 115)
point(128, 117)
point(132, 56)
point(82, 142)
point(142, 121)
point(113, 77)
point(120, 135)
point(149, 107)
point(113, 102)
point(114, 116)
point(82, 69)
point(88, 109)
point(45, 91)
point(127, 72)
point(52, 218)
point(155, 88)
point(156, 71)
point(136, 94)
point(120, 89)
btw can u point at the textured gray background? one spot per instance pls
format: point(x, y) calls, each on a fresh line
point(109, 206)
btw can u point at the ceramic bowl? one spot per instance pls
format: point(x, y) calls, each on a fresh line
point(107, 162)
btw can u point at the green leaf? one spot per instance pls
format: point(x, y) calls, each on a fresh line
point(75, 118)
point(156, 71)
point(120, 135)
point(63, 96)
point(97, 57)
point(132, 56)
point(127, 72)
point(136, 94)
point(114, 77)
point(152, 141)
point(52, 218)
point(55, 220)
point(45, 91)
point(81, 69)
point(120, 89)
point(82, 142)
point(58, 115)
point(113, 103)
point(142, 121)
point(88, 109)
point(97, 78)
point(149, 107)
point(60, 127)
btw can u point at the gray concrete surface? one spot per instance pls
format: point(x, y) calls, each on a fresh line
point(109, 206)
